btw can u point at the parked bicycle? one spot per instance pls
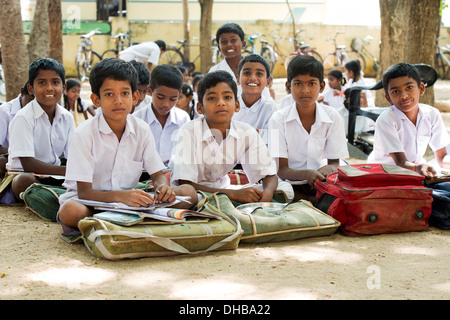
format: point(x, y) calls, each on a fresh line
point(359, 46)
point(340, 56)
point(121, 41)
point(442, 59)
point(86, 56)
point(175, 55)
point(300, 48)
point(267, 52)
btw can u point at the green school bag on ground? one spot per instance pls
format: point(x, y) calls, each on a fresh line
point(43, 200)
point(273, 222)
point(114, 242)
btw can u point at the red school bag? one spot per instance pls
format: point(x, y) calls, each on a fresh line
point(375, 199)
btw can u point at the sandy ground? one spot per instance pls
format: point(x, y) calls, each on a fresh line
point(35, 263)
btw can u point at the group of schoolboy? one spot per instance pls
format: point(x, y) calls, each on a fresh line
point(106, 155)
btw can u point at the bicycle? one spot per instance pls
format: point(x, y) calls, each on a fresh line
point(300, 48)
point(340, 56)
point(86, 57)
point(359, 46)
point(267, 52)
point(174, 56)
point(121, 41)
point(442, 61)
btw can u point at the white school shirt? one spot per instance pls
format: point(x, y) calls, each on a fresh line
point(7, 112)
point(164, 136)
point(200, 158)
point(223, 65)
point(143, 52)
point(97, 156)
point(289, 139)
point(394, 132)
point(32, 135)
point(257, 115)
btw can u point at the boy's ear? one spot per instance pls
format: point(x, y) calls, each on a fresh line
point(238, 106)
point(422, 88)
point(322, 86)
point(96, 100)
point(30, 89)
point(388, 98)
point(199, 108)
point(135, 97)
point(288, 87)
point(150, 92)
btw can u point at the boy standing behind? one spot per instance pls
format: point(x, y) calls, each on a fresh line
point(207, 148)
point(108, 152)
point(255, 109)
point(40, 131)
point(161, 115)
point(307, 137)
point(404, 131)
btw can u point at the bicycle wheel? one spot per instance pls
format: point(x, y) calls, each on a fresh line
point(331, 62)
point(440, 66)
point(171, 56)
point(84, 66)
point(113, 53)
point(266, 56)
point(352, 55)
point(288, 59)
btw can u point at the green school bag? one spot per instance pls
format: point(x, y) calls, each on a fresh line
point(43, 200)
point(115, 242)
point(272, 221)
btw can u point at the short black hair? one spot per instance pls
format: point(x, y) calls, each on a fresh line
point(230, 28)
point(355, 67)
point(255, 58)
point(161, 44)
point(304, 64)
point(112, 68)
point(166, 75)
point(400, 70)
point(212, 79)
point(45, 64)
point(142, 71)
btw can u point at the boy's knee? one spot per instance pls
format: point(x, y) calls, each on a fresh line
point(21, 182)
point(71, 212)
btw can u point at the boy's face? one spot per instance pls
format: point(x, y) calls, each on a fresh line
point(305, 89)
point(230, 45)
point(116, 99)
point(73, 93)
point(142, 90)
point(164, 99)
point(253, 77)
point(219, 104)
point(404, 93)
point(47, 88)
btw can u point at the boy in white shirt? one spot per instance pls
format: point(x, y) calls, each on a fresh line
point(146, 52)
point(403, 132)
point(307, 138)
point(161, 115)
point(39, 132)
point(143, 86)
point(255, 109)
point(207, 148)
point(108, 152)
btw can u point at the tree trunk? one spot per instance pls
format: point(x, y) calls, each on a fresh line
point(14, 50)
point(293, 22)
point(38, 43)
point(55, 26)
point(205, 34)
point(408, 31)
point(187, 30)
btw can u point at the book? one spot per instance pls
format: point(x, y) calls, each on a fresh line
point(165, 215)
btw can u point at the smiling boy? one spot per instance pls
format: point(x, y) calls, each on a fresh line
point(207, 148)
point(306, 137)
point(107, 153)
point(404, 131)
point(40, 131)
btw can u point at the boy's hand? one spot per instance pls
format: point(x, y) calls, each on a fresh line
point(164, 193)
point(425, 170)
point(246, 195)
point(266, 197)
point(136, 198)
point(312, 175)
point(326, 170)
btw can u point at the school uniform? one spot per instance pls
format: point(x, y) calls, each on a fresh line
point(32, 135)
point(289, 139)
point(163, 136)
point(257, 115)
point(145, 52)
point(97, 156)
point(200, 158)
point(394, 132)
point(77, 116)
point(7, 112)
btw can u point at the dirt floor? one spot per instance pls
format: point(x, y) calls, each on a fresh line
point(35, 263)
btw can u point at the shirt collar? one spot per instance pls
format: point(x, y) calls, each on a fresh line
point(254, 107)
point(39, 111)
point(321, 115)
point(104, 127)
point(151, 117)
point(208, 135)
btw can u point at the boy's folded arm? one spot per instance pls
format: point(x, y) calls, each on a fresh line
point(270, 184)
point(31, 164)
point(286, 173)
